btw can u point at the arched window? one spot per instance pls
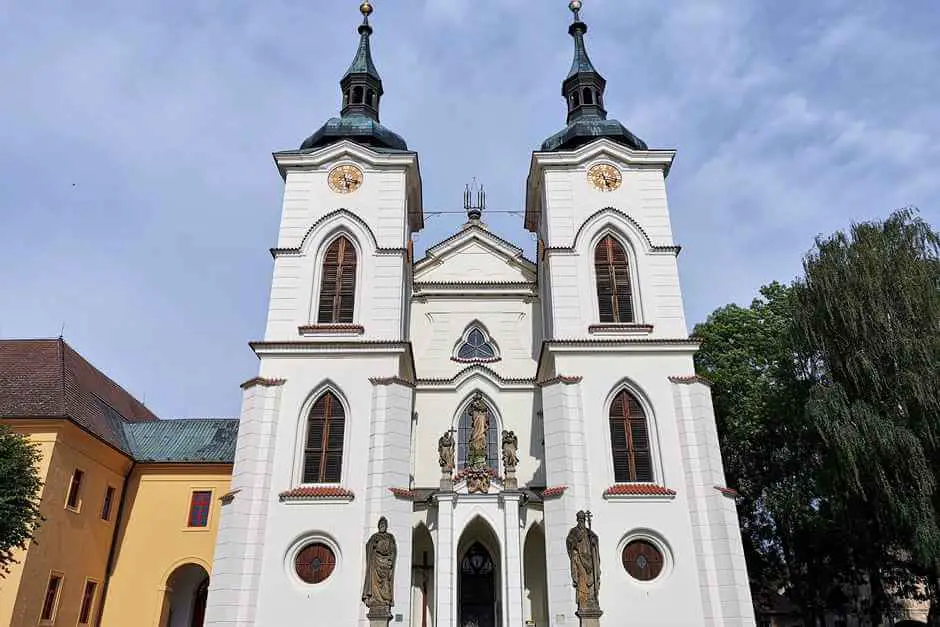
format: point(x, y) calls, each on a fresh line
point(575, 99)
point(614, 295)
point(588, 96)
point(370, 98)
point(323, 450)
point(630, 441)
point(338, 283)
point(357, 95)
point(476, 345)
point(464, 433)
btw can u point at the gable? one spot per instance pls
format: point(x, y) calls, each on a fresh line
point(474, 256)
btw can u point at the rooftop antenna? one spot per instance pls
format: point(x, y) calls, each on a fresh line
point(474, 201)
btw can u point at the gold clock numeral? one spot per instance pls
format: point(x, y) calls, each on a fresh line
point(605, 177)
point(345, 179)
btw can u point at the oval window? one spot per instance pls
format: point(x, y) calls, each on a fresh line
point(315, 563)
point(642, 560)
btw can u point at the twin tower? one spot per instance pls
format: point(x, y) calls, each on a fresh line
point(475, 438)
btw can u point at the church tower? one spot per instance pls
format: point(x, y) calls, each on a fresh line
point(325, 427)
point(629, 429)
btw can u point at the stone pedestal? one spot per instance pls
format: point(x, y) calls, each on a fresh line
point(447, 481)
point(379, 616)
point(590, 617)
point(510, 482)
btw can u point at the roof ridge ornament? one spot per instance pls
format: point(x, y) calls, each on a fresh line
point(474, 206)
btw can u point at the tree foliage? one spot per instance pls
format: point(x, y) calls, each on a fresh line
point(827, 397)
point(19, 495)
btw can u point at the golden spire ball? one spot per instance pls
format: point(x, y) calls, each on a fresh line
point(366, 8)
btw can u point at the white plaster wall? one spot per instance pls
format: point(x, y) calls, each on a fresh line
point(474, 262)
point(438, 325)
point(282, 597)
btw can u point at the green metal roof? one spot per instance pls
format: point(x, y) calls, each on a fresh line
point(196, 440)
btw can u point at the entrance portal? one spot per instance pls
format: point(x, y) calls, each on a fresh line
point(478, 603)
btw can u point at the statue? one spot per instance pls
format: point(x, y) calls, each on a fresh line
point(378, 591)
point(479, 428)
point(510, 446)
point(445, 449)
point(585, 566)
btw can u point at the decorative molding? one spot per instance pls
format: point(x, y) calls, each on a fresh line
point(331, 329)
point(390, 381)
point(476, 367)
point(268, 383)
point(656, 248)
point(731, 493)
point(690, 379)
point(228, 497)
point(402, 493)
point(316, 493)
point(620, 328)
point(631, 491)
point(517, 253)
point(560, 379)
point(298, 250)
point(461, 474)
point(554, 492)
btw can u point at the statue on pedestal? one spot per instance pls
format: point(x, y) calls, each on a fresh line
point(477, 471)
point(510, 446)
point(583, 552)
point(378, 590)
point(445, 450)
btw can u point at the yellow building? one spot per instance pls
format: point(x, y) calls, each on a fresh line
point(130, 502)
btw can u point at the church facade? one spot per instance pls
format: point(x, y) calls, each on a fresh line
point(475, 438)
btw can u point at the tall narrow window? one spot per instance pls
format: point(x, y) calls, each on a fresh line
point(466, 429)
point(75, 489)
point(614, 295)
point(338, 283)
point(323, 452)
point(199, 506)
point(51, 599)
point(629, 438)
point(108, 502)
point(88, 602)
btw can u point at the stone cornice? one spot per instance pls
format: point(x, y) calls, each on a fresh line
point(474, 369)
point(316, 493)
point(560, 379)
point(331, 329)
point(391, 381)
point(689, 380)
point(261, 381)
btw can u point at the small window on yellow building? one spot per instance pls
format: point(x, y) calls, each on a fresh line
point(75, 490)
point(106, 506)
point(51, 602)
point(199, 508)
point(88, 602)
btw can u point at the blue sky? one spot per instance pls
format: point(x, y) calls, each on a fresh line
point(138, 198)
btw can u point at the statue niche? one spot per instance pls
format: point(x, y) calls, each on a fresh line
point(477, 469)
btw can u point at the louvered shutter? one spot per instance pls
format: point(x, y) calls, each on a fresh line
point(614, 293)
point(338, 284)
point(629, 438)
point(323, 453)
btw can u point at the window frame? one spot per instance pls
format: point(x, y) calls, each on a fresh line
point(460, 461)
point(90, 615)
point(651, 436)
point(488, 340)
point(107, 505)
point(54, 611)
point(191, 508)
point(77, 506)
point(320, 284)
point(306, 420)
point(630, 257)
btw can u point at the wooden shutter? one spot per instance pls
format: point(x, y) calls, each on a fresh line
point(323, 451)
point(338, 284)
point(629, 439)
point(614, 294)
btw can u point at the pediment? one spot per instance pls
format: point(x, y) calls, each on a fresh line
point(474, 255)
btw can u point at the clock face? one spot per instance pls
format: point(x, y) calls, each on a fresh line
point(605, 177)
point(345, 179)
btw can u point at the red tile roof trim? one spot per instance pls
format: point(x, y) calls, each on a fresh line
point(554, 492)
point(690, 379)
point(491, 360)
point(402, 493)
point(390, 381)
point(638, 489)
point(731, 493)
point(316, 329)
point(560, 379)
point(317, 493)
point(620, 328)
point(268, 383)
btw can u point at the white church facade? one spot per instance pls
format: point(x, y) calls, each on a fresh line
point(476, 401)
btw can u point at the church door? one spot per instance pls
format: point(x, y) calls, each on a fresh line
point(199, 607)
point(478, 605)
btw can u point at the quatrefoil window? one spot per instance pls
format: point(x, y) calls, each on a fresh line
point(476, 345)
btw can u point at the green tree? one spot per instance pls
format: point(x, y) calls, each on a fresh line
point(868, 313)
point(19, 495)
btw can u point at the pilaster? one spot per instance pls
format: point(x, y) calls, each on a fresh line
point(513, 589)
point(444, 550)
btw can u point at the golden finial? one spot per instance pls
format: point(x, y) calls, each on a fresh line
point(575, 6)
point(366, 8)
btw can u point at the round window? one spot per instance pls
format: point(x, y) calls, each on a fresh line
point(642, 560)
point(315, 563)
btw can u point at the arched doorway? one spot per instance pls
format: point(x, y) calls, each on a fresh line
point(479, 602)
point(534, 576)
point(422, 577)
point(184, 604)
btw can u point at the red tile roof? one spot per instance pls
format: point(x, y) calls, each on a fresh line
point(316, 492)
point(49, 379)
point(729, 492)
point(553, 492)
point(638, 489)
point(403, 493)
